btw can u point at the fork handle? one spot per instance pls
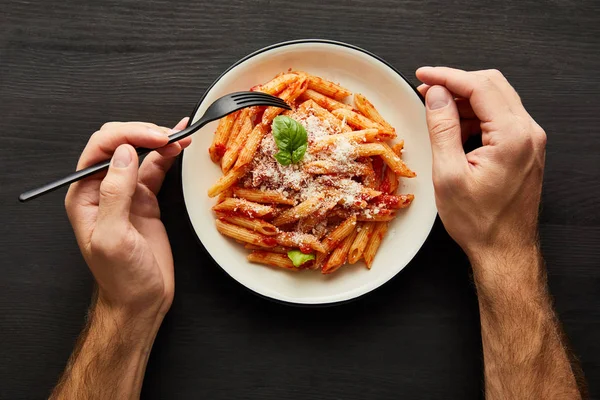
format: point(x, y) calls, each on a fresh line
point(101, 166)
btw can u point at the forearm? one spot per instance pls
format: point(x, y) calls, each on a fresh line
point(524, 353)
point(110, 357)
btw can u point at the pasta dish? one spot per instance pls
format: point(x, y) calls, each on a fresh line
point(310, 188)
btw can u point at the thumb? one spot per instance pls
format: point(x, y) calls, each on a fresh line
point(118, 188)
point(443, 122)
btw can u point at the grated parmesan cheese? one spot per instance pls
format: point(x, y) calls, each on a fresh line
point(294, 182)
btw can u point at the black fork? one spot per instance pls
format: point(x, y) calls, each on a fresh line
point(221, 107)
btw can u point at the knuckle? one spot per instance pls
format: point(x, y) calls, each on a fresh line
point(109, 125)
point(485, 80)
point(109, 189)
point(540, 136)
point(518, 99)
point(443, 126)
point(107, 246)
point(495, 74)
point(114, 244)
point(95, 136)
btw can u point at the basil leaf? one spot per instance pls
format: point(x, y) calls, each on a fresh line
point(298, 154)
point(291, 138)
point(282, 127)
point(283, 158)
point(298, 258)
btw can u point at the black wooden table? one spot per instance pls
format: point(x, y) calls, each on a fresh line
point(66, 67)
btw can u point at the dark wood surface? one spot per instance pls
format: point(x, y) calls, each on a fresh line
point(66, 67)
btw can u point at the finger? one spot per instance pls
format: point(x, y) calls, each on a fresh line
point(103, 143)
point(181, 125)
point(507, 90)
point(464, 107)
point(117, 189)
point(487, 101)
point(443, 122)
point(157, 163)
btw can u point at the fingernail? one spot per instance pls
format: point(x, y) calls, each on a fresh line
point(122, 157)
point(156, 133)
point(171, 131)
point(437, 97)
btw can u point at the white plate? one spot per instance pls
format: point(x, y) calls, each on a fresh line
point(359, 71)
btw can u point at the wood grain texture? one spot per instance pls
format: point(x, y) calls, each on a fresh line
point(67, 67)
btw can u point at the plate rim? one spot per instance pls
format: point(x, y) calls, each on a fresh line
point(180, 166)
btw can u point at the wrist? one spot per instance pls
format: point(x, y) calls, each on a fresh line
point(135, 329)
point(498, 255)
point(517, 267)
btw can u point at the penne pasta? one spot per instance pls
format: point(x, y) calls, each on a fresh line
point(338, 257)
point(396, 163)
point(235, 144)
point(272, 259)
point(369, 179)
point(338, 234)
point(368, 193)
point(226, 181)
point(326, 87)
point(254, 224)
point(262, 196)
point(398, 147)
point(244, 235)
point(224, 195)
point(360, 242)
point(324, 167)
point(300, 211)
point(237, 124)
point(378, 167)
point(368, 109)
point(244, 207)
point(289, 95)
point(323, 181)
point(360, 137)
point(310, 106)
point(304, 241)
point(324, 101)
point(370, 149)
point(375, 215)
point(389, 182)
point(308, 223)
point(219, 143)
point(394, 202)
point(356, 119)
point(252, 142)
point(277, 84)
point(376, 238)
point(276, 249)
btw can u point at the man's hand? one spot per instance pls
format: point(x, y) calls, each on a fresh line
point(116, 217)
point(117, 224)
point(488, 200)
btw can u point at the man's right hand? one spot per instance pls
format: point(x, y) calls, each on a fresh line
point(488, 199)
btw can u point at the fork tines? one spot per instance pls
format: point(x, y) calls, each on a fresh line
point(258, 98)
